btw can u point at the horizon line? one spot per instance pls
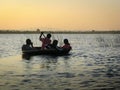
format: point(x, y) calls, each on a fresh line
point(58, 30)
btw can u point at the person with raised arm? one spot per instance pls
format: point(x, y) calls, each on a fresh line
point(45, 41)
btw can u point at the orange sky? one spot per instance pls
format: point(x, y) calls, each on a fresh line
point(60, 14)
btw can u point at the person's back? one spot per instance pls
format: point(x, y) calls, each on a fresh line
point(45, 41)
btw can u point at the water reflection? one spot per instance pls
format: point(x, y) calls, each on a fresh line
point(47, 64)
point(25, 56)
point(103, 42)
point(117, 41)
point(47, 71)
point(42, 63)
point(113, 41)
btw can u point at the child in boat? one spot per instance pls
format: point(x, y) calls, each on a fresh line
point(28, 45)
point(45, 41)
point(66, 45)
point(53, 45)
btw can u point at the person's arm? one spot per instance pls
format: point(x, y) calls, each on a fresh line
point(41, 35)
point(32, 44)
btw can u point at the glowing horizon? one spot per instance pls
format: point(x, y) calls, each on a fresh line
point(60, 14)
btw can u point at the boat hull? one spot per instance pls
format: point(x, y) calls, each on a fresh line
point(38, 51)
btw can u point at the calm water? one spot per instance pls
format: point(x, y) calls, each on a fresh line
point(93, 64)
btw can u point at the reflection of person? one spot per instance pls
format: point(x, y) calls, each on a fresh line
point(45, 41)
point(66, 45)
point(28, 45)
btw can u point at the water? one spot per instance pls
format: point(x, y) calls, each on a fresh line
point(93, 64)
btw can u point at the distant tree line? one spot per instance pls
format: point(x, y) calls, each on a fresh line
point(63, 32)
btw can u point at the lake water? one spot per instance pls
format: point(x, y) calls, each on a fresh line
point(93, 64)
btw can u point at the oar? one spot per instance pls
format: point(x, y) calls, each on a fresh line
point(42, 34)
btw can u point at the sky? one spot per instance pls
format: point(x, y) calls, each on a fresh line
point(60, 14)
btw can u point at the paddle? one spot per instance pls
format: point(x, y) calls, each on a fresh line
point(42, 33)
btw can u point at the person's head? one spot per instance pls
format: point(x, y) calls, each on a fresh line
point(49, 35)
point(66, 41)
point(28, 41)
point(55, 42)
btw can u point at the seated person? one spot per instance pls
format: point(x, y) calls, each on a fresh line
point(53, 45)
point(66, 45)
point(28, 45)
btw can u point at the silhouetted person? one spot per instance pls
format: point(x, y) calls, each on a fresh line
point(66, 45)
point(53, 45)
point(45, 41)
point(28, 45)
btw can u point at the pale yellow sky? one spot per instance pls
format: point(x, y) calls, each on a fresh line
point(60, 14)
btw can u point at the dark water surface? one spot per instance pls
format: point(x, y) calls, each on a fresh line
point(93, 64)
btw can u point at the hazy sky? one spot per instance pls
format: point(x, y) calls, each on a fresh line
point(60, 14)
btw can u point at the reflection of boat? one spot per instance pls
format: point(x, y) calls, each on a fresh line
point(38, 51)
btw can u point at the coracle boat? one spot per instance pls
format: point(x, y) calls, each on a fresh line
point(39, 51)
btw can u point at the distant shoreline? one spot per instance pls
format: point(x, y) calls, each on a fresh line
point(59, 32)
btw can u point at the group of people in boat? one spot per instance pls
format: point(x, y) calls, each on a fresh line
point(47, 43)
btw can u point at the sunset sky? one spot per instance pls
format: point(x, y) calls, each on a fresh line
point(60, 14)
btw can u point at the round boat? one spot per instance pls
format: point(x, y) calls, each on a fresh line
point(39, 51)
